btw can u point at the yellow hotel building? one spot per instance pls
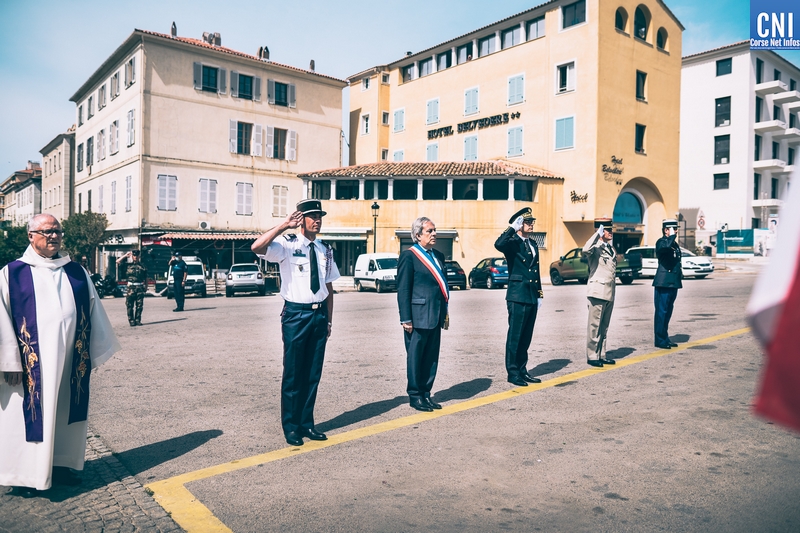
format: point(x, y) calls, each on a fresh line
point(574, 108)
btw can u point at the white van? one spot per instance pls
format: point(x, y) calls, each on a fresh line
point(195, 278)
point(376, 271)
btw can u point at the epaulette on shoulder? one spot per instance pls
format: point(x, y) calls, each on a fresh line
point(290, 237)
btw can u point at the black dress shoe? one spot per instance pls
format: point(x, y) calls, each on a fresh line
point(313, 434)
point(430, 403)
point(531, 379)
point(420, 405)
point(66, 476)
point(294, 438)
point(608, 361)
point(25, 492)
point(132, 323)
point(595, 362)
point(672, 344)
point(664, 346)
point(518, 381)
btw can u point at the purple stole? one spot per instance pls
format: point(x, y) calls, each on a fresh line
point(23, 314)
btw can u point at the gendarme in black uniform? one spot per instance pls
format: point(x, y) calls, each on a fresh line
point(523, 296)
point(667, 282)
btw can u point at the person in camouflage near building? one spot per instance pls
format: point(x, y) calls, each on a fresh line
point(137, 287)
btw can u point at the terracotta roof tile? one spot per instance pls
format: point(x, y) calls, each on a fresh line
point(716, 49)
point(499, 167)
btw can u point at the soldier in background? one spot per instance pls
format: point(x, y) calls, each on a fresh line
point(602, 259)
point(667, 282)
point(137, 286)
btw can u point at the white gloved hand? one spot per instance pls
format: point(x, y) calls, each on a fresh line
point(671, 232)
point(600, 230)
point(539, 303)
point(517, 224)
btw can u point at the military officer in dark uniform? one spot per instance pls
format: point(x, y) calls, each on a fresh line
point(137, 287)
point(524, 294)
point(179, 273)
point(667, 282)
point(307, 272)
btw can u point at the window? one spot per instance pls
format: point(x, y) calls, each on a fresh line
point(721, 181)
point(516, 89)
point(433, 189)
point(514, 141)
point(432, 152)
point(759, 107)
point(408, 73)
point(128, 192)
point(384, 154)
point(640, 130)
point(756, 186)
point(245, 87)
point(79, 159)
point(101, 145)
point(131, 130)
point(80, 115)
point(114, 85)
point(565, 133)
point(790, 156)
point(641, 85)
point(641, 23)
point(512, 37)
point(385, 78)
point(722, 149)
point(724, 66)
point(792, 120)
point(757, 155)
point(776, 112)
point(487, 46)
point(444, 61)
point(130, 72)
point(101, 97)
point(432, 111)
point(722, 111)
point(100, 199)
point(89, 151)
point(566, 77)
point(464, 53)
point(364, 124)
point(792, 85)
point(776, 75)
point(113, 197)
point(244, 199)
point(281, 144)
point(759, 70)
point(661, 39)
point(90, 108)
point(621, 19)
point(207, 196)
point(535, 28)
point(573, 14)
point(280, 200)
point(397, 156)
point(399, 120)
point(384, 118)
point(167, 192)
point(471, 101)
point(113, 137)
point(426, 67)
point(365, 83)
point(321, 190)
point(774, 189)
point(347, 189)
point(244, 133)
point(776, 150)
point(471, 148)
point(283, 94)
point(209, 79)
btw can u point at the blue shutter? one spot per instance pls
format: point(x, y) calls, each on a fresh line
point(432, 153)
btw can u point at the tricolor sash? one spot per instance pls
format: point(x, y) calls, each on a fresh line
point(23, 313)
point(426, 259)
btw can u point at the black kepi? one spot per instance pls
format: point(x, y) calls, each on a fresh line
point(604, 221)
point(308, 207)
point(525, 213)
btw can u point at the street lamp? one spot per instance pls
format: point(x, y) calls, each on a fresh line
point(375, 208)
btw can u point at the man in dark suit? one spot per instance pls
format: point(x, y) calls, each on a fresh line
point(422, 296)
point(667, 282)
point(524, 294)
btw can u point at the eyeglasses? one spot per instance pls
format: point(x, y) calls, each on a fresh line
point(49, 232)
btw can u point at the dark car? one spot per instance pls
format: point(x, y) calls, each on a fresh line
point(455, 275)
point(490, 273)
point(573, 265)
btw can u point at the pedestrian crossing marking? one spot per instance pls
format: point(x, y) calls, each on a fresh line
point(189, 513)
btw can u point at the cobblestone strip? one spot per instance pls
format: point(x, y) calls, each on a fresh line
point(109, 499)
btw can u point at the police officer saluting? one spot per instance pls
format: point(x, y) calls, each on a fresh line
point(667, 282)
point(136, 275)
point(307, 271)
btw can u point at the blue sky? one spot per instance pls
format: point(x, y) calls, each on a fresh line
point(49, 48)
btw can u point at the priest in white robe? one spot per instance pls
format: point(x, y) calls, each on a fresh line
point(33, 441)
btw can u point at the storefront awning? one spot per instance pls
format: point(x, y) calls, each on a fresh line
point(197, 236)
point(344, 234)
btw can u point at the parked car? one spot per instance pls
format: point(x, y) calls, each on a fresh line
point(491, 272)
point(456, 278)
point(691, 264)
point(195, 278)
point(573, 265)
point(245, 277)
point(376, 271)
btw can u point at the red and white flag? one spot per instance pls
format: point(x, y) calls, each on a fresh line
point(774, 314)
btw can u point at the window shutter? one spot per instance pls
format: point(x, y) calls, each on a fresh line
point(234, 84)
point(100, 199)
point(257, 88)
point(198, 76)
point(113, 197)
point(292, 151)
point(248, 198)
point(202, 196)
point(221, 78)
point(270, 141)
point(239, 198)
point(433, 152)
point(571, 77)
point(212, 196)
point(162, 192)
point(116, 136)
point(258, 140)
point(172, 190)
point(233, 125)
point(271, 92)
point(569, 133)
point(133, 70)
point(292, 95)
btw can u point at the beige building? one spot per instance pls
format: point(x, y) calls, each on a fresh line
point(21, 193)
point(186, 143)
point(57, 175)
point(588, 90)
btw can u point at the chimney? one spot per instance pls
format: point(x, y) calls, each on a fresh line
point(311, 65)
point(217, 39)
point(265, 53)
point(174, 30)
point(408, 54)
point(212, 38)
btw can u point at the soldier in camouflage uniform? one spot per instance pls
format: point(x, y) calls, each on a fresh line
point(137, 287)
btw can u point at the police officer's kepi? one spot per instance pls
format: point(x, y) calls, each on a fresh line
point(605, 222)
point(135, 253)
point(309, 207)
point(176, 254)
point(669, 223)
point(525, 213)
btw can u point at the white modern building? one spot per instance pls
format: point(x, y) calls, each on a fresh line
point(739, 141)
point(57, 174)
point(22, 195)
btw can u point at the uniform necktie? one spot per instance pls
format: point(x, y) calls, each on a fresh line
point(312, 256)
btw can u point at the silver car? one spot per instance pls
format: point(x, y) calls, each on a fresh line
point(245, 277)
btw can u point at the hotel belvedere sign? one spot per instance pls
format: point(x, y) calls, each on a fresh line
point(472, 125)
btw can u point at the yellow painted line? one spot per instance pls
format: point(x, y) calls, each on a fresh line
point(192, 515)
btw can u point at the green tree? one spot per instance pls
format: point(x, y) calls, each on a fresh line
point(13, 242)
point(83, 233)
